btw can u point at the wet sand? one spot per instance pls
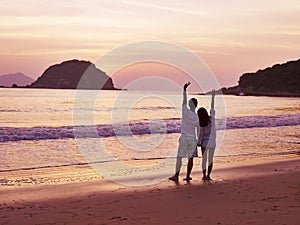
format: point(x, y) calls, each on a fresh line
point(252, 192)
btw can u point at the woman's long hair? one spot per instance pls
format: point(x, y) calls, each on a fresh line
point(204, 118)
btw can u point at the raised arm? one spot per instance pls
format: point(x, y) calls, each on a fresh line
point(184, 93)
point(213, 93)
point(212, 114)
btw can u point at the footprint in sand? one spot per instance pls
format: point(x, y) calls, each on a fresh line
point(119, 218)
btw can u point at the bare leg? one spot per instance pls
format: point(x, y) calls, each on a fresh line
point(203, 162)
point(189, 168)
point(210, 161)
point(210, 167)
point(178, 165)
point(177, 171)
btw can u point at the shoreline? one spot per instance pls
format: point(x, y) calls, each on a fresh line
point(82, 172)
point(259, 191)
point(273, 95)
point(226, 92)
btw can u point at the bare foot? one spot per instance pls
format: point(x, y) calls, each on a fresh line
point(174, 178)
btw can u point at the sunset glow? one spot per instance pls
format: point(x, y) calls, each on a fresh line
point(232, 37)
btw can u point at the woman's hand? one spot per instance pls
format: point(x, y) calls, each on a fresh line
point(213, 93)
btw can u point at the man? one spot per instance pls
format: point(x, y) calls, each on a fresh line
point(187, 142)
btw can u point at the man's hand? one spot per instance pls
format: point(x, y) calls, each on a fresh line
point(186, 85)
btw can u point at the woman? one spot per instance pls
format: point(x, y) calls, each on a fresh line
point(207, 137)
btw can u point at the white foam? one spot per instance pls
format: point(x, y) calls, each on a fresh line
point(139, 128)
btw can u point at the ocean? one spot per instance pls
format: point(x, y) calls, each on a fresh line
point(43, 128)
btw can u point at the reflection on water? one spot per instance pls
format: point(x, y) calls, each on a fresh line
point(51, 110)
point(238, 145)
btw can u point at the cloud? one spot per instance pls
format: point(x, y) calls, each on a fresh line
point(166, 8)
point(39, 9)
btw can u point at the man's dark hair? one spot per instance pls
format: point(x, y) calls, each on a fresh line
point(194, 101)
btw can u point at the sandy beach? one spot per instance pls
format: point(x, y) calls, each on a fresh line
point(253, 192)
point(98, 99)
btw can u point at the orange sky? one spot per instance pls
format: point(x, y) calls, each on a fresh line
point(140, 76)
point(231, 36)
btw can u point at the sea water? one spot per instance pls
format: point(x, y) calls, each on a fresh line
point(49, 128)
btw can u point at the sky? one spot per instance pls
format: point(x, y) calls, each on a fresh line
point(231, 36)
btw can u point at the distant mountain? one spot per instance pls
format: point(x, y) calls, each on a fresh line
point(67, 75)
point(278, 80)
point(19, 79)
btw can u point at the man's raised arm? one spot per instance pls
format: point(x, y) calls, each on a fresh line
point(184, 93)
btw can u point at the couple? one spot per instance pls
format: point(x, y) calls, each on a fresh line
point(204, 126)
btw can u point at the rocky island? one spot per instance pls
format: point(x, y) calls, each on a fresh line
point(69, 74)
point(278, 80)
point(14, 80)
